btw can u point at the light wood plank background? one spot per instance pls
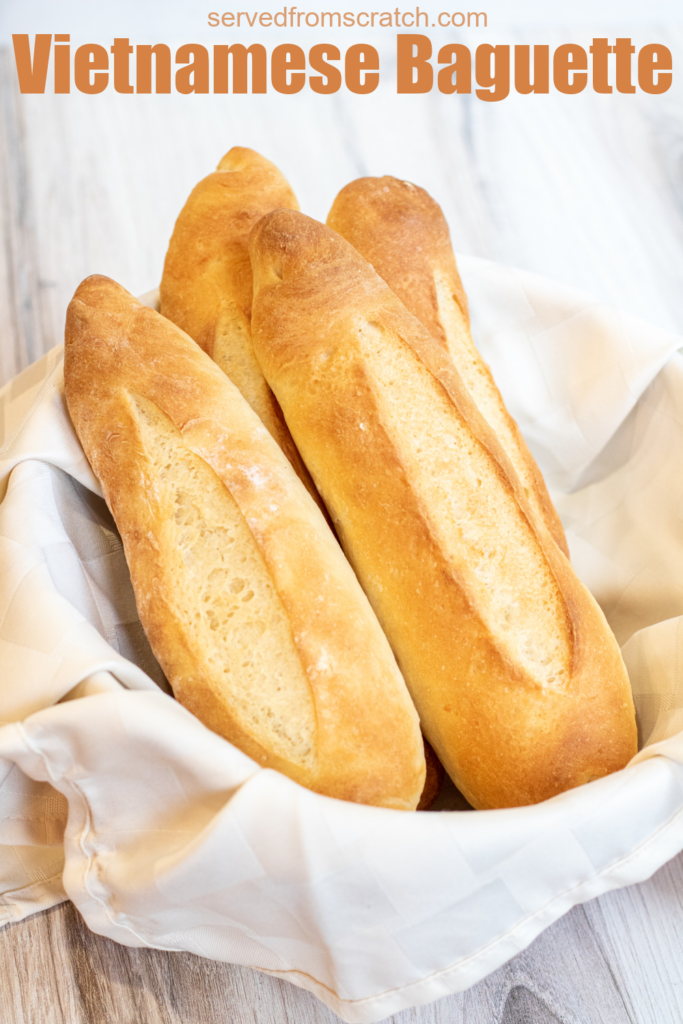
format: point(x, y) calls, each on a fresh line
point(585, 189)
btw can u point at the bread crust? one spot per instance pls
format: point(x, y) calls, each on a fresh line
point(138, 389)
point(399, 229)
point(508, 731)
point(206, 287)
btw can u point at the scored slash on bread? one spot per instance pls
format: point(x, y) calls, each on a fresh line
point(206, 287)
point(402, 232)
point(517, 678)
point(247, 600)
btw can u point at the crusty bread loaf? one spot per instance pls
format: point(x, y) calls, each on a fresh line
point(402, 232)
point(516, 676)
point(248, 602)
point(206, 287)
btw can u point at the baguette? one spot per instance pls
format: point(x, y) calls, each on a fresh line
point(249, 604)
point(402, 232)
point(517, 679)
point(206, 287)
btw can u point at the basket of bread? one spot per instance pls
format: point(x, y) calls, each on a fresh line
point(282, 570)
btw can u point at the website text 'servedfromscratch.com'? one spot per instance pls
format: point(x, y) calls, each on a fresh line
point(292, 17)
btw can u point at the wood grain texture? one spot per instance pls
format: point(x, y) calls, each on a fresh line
point(585, 189)
point(22, 325)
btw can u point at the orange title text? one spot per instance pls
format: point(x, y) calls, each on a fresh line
point(491, 72)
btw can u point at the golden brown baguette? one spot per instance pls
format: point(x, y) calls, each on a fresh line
point(517, 678)
point(402, 232)
point(249, 604)
point(206, 287)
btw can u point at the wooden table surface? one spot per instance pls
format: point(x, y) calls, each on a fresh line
point(586, 189)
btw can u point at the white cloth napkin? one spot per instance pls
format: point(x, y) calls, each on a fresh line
point(164, 835)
